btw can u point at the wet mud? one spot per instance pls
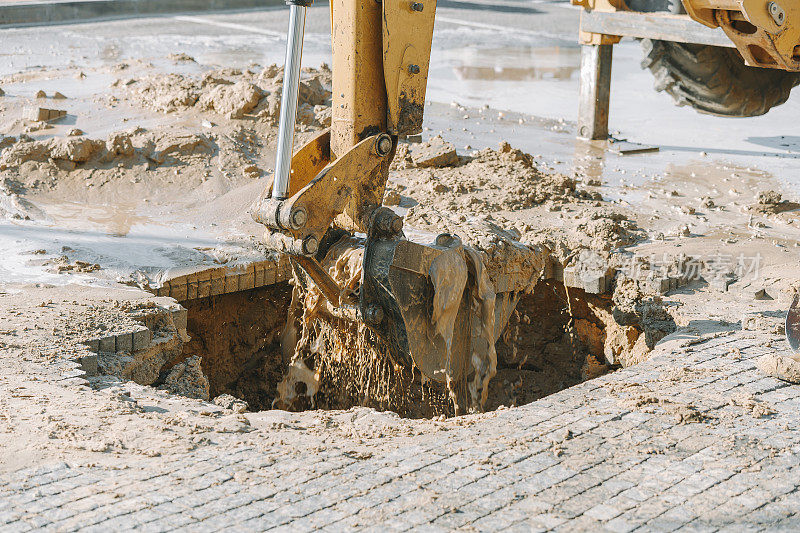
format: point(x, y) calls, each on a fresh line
point(556, 338)
point(237, 338)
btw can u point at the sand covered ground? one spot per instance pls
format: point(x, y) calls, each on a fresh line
point(169, 186)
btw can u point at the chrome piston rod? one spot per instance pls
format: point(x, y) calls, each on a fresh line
point(291, 86)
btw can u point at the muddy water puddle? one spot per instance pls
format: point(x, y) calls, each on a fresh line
point(121, 237)
point(117, 220)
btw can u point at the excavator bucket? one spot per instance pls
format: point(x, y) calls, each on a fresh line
point(793, 324)
point(433, 305)
point(423, 325)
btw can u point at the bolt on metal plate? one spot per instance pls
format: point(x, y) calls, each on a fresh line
point(777, 13)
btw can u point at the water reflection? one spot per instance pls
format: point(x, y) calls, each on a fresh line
point(518, 64)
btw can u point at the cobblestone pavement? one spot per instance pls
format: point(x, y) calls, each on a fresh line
point(694, 439)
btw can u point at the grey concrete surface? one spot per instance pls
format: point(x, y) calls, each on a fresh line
point(31, 13)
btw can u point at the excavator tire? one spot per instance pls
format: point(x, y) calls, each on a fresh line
point(715, 80)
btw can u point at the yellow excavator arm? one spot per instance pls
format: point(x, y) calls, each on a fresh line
point(333, 188)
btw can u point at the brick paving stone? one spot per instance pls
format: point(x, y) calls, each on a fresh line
point(694, 527)
point(622, 469)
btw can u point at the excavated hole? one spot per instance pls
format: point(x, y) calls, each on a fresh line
point(237, 336)
point(554, 340)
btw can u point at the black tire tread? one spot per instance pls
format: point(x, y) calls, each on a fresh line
point(715, 80)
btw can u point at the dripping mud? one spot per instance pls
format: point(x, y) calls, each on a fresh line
point(555, 337)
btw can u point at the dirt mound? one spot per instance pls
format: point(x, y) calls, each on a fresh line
point(233, 101)
point(234, 93)
point(487, 182)
point(77, 150)
point(166, 93)
point(608, 230)
point(187, 379)
point(134, 164)
point(505, 188)
point(634, 306)
point(772, 203)
point(130, 147)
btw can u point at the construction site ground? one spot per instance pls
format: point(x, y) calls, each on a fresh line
point(126, 250)
point(693, 439)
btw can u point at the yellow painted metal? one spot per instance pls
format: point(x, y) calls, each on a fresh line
point(359, 90)
point(758, 37)
point(701, 13)
point(730, 5)
point(308, 161)
point(747, 23)
point(344, 186)
point(585, 37)
point(758, 14)
point(772, 45)
point(407, 37)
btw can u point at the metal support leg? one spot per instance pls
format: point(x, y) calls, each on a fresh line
point(595, 91)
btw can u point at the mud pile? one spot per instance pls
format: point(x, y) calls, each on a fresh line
point(119, 150)
point(235, 93)
point(506, 188)
point(772, 203)
point(132, 166)
point(221, 138)
point(489, 181)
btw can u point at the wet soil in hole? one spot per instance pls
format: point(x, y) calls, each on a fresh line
point(237, 336)
point(554, 340)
